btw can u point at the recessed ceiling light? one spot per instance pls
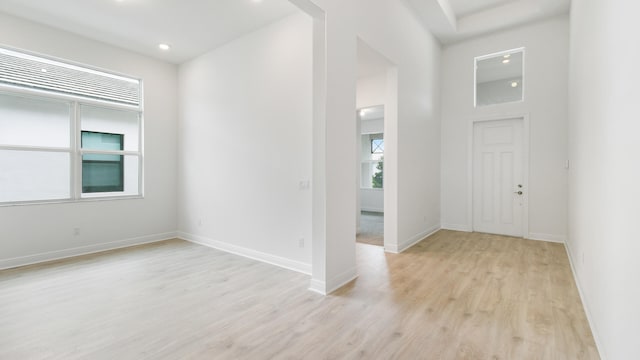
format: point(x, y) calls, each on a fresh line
point(507, 56)
point(164, 47)
point(514, 84)
point(506, 61)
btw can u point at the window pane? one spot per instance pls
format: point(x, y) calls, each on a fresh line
point(102, 141)
point(377, 146)
point(34, 175)
point(33, 122)
point(109, 121)
point(499, 78)
point(377, 178)
point(104, 175)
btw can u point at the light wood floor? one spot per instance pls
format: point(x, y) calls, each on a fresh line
point(452, 296)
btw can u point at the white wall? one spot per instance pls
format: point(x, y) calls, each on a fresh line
point(412, 145)
point(545, 92)
point(604, 197)
point(373, 126)
point(245, 144)
point(371, 91)
point(372, 200)
point(31, 233)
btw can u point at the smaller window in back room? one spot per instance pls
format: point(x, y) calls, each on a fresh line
point(372, 163)
point(377, 146)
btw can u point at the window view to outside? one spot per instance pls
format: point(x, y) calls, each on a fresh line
point(102, 172)
point(372, 161)
point(377, 147)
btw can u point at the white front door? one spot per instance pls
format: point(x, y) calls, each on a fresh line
point(498, 187)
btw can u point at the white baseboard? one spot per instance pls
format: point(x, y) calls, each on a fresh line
point(331, 285)
point(404, 245)
point(326, 288)
point(248, 253)
point(592, 325)
point(83, 250)
point(318, 286)
point(391, 248)
point(342, 279)
point(456, 227)
point(547, 237)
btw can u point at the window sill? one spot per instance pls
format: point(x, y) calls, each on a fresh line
point(71, 201)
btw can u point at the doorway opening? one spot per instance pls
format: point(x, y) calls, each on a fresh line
point(376, 119)
point(371, 171)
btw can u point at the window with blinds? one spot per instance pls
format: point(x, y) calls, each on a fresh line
point(27, 71)
point(67, 132)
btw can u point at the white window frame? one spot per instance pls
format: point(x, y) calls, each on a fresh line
point(75, 149)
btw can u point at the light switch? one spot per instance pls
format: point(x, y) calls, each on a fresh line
point(304, 184)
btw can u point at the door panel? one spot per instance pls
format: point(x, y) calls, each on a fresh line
point(498, 177)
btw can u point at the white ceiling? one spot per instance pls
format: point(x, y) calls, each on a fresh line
point(371, 113)
point(465, 7)
point(191, 27)
point(456, 20)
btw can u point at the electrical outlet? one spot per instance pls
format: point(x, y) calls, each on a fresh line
point(76, 231)
point(301, 242)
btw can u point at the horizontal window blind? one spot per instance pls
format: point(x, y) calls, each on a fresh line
point(44, 74)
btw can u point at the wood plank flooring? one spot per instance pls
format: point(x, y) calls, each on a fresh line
point(452, 296)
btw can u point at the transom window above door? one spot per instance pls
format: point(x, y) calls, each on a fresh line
point(499, 78)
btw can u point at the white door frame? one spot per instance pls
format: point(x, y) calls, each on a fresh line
point(525, 167)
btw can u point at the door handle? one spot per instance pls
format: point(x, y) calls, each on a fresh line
point(518, 192)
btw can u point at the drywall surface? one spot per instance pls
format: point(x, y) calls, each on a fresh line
point(545, 103)
point(372, 200)
point(604, 197)
point(412, 132)
point(371, 91)
point(30, 233)
point(220, 105)
point(245, 145)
